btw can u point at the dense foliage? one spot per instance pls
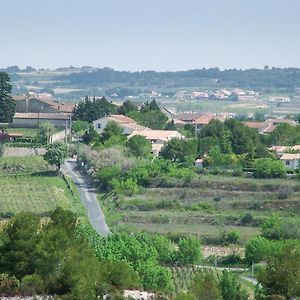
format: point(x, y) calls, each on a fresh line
point(147, 254)
point(56, 154)
point(150, 116)
point(281, 276)
point(268, 168)
point(48, 257)
point(7, 103)
point(91, 110)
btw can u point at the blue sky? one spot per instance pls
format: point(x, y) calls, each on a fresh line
point(150, 34)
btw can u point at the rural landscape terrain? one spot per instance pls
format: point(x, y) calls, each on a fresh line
point(120, 196)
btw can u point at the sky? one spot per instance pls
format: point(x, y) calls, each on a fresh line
point(161, 35)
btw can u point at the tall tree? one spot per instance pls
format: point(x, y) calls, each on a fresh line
point(56, 154)
point(7, 103)
point(91, 110)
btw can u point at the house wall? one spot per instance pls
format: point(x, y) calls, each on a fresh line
point(291, 164)
point(34, 105)
point(33, 123)
point(102, 122)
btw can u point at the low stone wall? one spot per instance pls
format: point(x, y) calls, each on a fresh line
point(22, 151)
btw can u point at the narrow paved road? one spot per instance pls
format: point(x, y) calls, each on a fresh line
point(88, 196)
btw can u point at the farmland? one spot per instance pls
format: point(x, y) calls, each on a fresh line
point(210, 205)
point(29, 184)
point(26, 132)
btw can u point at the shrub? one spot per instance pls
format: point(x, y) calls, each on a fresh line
point(32, 285)
point(259, 249)
point(9, 285)
point(106, 175)
point(284, 193)
point(268, 168)
point(246, 219)
point(126, 186)
point(230, 237)
point(189, 251)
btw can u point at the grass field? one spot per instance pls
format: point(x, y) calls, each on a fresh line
point(27, 132)
point(30, 184)
point(38, 194)
point(20, 165)
point(210, 205)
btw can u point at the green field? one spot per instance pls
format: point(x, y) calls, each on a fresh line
point(30, 184)
point(209, 205)
point(38, 194)
point(21, 165)
point(26, 132)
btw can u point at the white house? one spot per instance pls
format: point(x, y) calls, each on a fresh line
point(157, 138)
point(290, 160)
point(127, 124)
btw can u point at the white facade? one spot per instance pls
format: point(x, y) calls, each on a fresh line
point(290, 160)
point(127, 124)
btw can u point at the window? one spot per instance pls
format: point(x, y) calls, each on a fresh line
point(287, 162)
point(99, 125)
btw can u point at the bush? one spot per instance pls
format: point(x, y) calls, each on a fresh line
point(246, 219)
point(284, 193)
point(230, 237)
point(106, 175)
point(9, 285)
point(259, 249)
point(32, 285)
point(189, 251)
point(268, 168)
point(126, 186)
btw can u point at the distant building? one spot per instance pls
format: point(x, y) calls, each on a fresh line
point(157, 136)
point(291, 160)
point(280, 99)
point(269, 125)
point(127, 124)
point(33, 120)
point(40, 103)
point(130, 127)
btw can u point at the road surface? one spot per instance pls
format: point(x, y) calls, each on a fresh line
point(88, 196)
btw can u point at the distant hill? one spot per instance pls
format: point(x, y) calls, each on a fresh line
point(106, 81)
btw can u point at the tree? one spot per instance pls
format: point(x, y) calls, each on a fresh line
point(7, 103)
point(56, 154)
point(153, 119)
point(139, 146)
point(18, 251)
point(91, 110)
point(281, 276)
point(79, 126)
point(205, 287)
point(170, 125)
point(179, 150)
point(90, 135)
point(126, 108)
point(45, 131)
point(268, 168)
point(231, 287)
point(189, 251)
point(111, 129)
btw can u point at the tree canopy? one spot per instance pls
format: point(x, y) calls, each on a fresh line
point(7, 103)
point(91, 110)
point(56, 154)
point(139, 146)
